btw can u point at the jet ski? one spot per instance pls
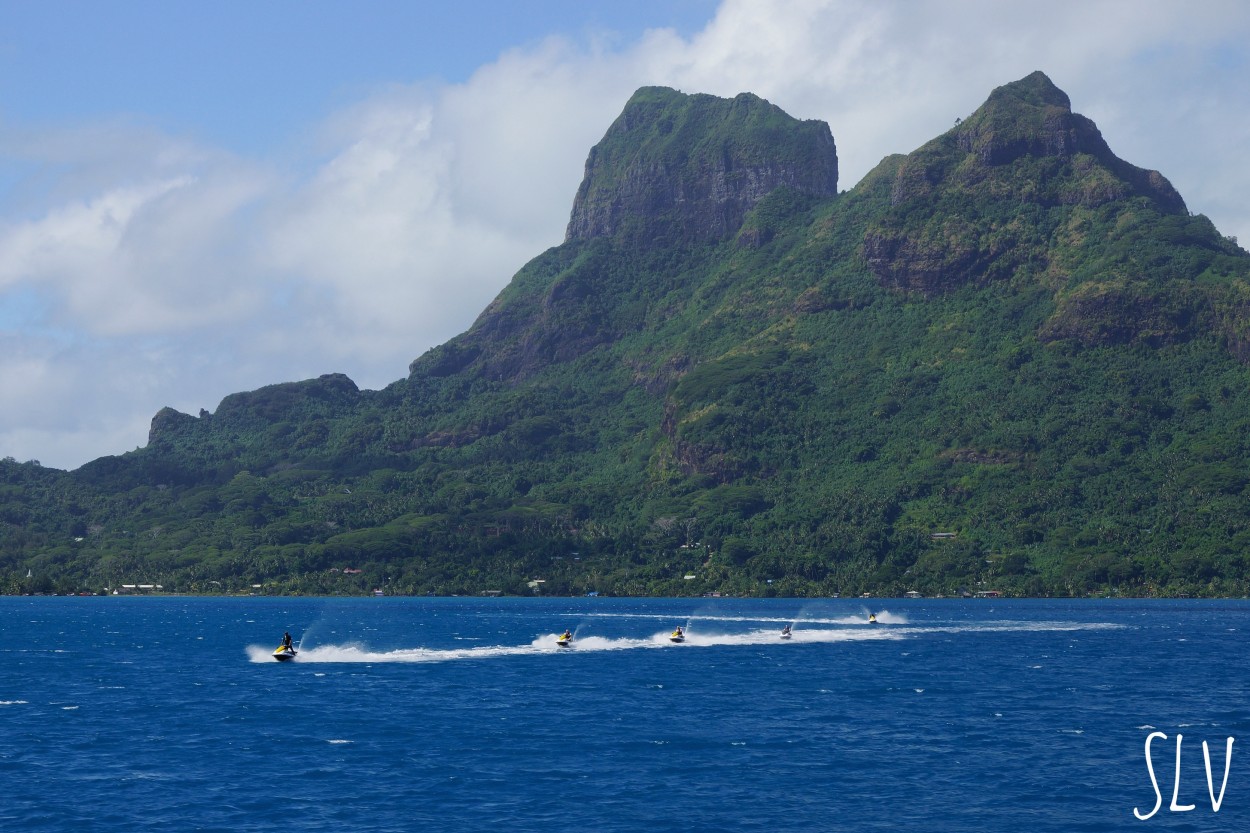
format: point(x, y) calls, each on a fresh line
point(677, 636)
point(283, 653)
point(565, 640)
point(785, 632)
point(872, 618)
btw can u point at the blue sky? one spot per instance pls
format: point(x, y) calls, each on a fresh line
point(198, 199)
point(246, 75)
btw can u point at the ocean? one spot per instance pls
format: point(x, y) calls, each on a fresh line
point(458, 714)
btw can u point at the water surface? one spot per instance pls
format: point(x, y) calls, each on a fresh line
point(463, 714)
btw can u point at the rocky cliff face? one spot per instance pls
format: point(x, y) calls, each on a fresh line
point(687, 168)
point(672, 171)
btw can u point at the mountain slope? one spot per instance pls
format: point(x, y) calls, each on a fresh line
point(1006, 359)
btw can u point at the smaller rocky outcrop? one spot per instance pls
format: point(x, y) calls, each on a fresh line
point(166, 423)
point(1124, 312)
point(274, 402)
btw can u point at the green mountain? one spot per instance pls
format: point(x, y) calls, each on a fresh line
point(1008, 360)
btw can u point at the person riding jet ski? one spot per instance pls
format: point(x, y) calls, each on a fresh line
point(286, 650)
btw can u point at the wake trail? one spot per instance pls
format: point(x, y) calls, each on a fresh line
point(698, 637)
point(546, 645)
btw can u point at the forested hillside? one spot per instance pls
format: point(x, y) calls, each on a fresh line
point(1007, 360)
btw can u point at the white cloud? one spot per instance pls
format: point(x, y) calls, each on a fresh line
point(890, 76)
point(61, 401)
point(433, 197)
point(190, 273)
point(151, 253)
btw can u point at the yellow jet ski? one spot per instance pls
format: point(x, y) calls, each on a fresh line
point(564, 640)
point(284, 652)
point(677, 636)
point(872, 618)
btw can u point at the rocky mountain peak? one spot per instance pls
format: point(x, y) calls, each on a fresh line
point(1022, 150)
point(683, 168)
point(1033, 117)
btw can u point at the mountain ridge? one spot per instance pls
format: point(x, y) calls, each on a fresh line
point(1006, 358)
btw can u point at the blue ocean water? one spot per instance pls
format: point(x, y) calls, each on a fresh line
point(136, 714)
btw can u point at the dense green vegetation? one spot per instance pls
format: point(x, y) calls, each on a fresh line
point(1006, 361)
